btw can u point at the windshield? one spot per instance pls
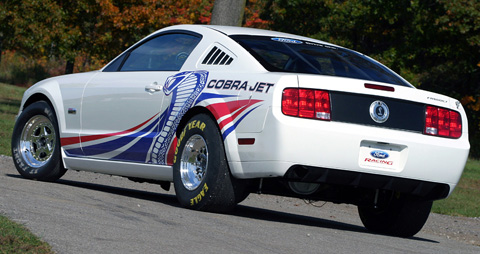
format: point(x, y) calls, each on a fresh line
point(288, 55)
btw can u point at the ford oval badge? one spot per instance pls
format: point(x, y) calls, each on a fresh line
point(379, 154)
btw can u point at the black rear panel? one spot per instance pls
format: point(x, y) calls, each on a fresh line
point(355, 108)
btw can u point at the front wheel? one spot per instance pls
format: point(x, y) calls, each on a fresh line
point(36, 143)
point(403, 216)
point(201, 176)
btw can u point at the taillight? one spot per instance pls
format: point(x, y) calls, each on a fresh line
point(442, 122)
point(290, 102)
point(306, 103)
point(322, 105)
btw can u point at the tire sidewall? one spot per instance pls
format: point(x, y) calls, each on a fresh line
point(403, 217)
point(49, 171)
point(216, 181)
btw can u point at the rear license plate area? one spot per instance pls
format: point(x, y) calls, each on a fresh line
point(384, 156)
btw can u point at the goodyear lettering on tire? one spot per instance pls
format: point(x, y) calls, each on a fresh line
point(196, 124)
point(200, 196)
point(191, 125)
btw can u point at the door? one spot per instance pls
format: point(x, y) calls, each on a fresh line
point(122, 109)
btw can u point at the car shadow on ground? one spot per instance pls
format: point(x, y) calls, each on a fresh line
point(243, 211)
point(291, 218)
point(164, 198)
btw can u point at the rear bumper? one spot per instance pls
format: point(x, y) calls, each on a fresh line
point(326, 147)
point(424, 189)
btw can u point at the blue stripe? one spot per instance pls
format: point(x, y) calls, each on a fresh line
point(138, 152)
point(234, 126)
point(119, 142)
point(206, 96)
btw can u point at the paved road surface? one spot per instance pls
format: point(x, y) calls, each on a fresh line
point(93, 213)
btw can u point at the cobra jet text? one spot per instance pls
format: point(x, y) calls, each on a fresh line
point(259, 87)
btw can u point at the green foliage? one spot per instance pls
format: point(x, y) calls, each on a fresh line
point(435, 44)
point(15, 238)
point(35, 25)
point(19, 70)
point(93, 31)
point(10, 98)
point(465, 200)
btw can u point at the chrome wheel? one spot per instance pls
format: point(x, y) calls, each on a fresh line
point(37, 141)
point(193, 162)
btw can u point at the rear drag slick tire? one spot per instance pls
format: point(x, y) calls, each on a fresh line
point(201, 175)
point(403, 217)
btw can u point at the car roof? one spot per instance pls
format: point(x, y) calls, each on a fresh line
point(236, 30)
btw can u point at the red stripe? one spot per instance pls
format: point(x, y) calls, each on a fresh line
point(171, 152)
point(250, 103)
point(76, 140)
point(232, 117)
point(222, 109)
point(69, 141)
point(218, 110)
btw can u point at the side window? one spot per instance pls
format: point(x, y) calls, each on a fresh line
point(113, 66)
point(163, 53)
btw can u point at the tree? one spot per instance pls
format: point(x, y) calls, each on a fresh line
point(33, 25)
point(228, 12)
point(435, 44)
point(6, 31)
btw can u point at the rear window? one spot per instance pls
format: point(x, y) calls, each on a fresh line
point(288, 55)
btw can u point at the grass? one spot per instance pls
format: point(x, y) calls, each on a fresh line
point(465, 200)
point(10, 98)
point(15, 238)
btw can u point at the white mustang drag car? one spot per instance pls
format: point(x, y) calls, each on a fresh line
point(226, 111)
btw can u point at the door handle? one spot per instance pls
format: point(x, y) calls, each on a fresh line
point(153, 88)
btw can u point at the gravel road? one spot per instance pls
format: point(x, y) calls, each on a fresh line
point(92, 213)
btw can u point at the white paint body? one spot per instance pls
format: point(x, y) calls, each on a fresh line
point(109, 103)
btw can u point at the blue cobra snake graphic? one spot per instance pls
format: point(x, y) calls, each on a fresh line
point(184, 87)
